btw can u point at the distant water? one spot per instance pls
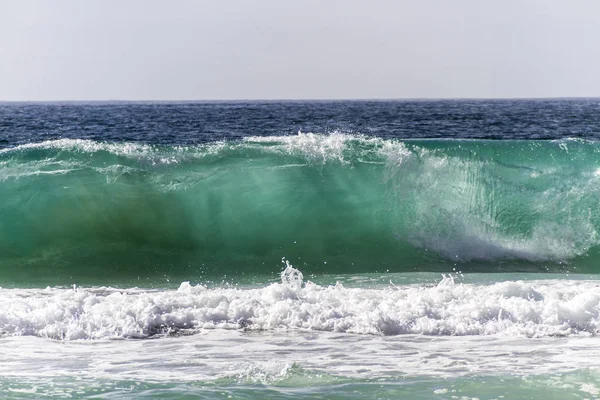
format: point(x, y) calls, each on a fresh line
point(409, 249)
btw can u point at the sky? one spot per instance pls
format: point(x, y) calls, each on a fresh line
point(297, 49)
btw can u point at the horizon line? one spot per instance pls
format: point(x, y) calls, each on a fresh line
point(282, 100)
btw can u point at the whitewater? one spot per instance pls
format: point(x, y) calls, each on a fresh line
point(518, 308)
point(221, 251)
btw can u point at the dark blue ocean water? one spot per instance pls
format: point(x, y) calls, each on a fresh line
point(191, 123)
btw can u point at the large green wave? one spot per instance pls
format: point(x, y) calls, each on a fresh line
point(79, 210)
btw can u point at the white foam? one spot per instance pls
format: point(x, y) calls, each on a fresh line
point(314, 147)
point(333, 147)
point(519, 308)
point(86, 146)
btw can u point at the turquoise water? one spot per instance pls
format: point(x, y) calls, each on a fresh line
point(79, 211)
point(576, 385)
point(284, 364)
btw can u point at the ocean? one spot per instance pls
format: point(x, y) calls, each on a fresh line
point(442, 249)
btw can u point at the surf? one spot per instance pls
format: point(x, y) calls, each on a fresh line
point(448, 308)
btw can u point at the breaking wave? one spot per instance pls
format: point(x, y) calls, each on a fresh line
point(82, 210)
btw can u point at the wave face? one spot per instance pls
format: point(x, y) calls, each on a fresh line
point(81, 209)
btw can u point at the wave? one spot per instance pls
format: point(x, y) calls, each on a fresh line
point(84, 210)
point(529, 309)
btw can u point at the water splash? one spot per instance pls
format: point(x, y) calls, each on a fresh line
point(291, 276)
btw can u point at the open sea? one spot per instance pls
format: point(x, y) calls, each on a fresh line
point(316, 250)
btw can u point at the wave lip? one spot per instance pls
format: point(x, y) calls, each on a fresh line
point(521, 309)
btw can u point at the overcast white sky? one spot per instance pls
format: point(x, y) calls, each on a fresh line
point(297, 49)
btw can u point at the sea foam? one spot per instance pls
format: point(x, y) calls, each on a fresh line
point(512, 308)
